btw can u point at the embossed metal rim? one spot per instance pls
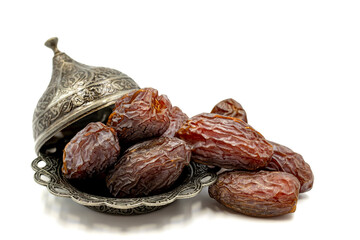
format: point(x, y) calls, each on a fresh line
point(50, 176)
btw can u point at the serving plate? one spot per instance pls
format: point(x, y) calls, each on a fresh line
point(92, 195)
point(76, 95)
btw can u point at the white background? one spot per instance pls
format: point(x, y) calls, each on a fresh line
point(293, 65)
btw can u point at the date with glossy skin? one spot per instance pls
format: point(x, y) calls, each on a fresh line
point(149, 167)
point(90, 152)
point(230, 108)
point(286, 160)
point(177, 119)
point(140, 114)
point(257, 194)
point(226, 142)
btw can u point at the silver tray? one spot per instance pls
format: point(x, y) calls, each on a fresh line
point(48, 173)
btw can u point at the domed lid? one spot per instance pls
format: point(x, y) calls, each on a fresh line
point(76, 94)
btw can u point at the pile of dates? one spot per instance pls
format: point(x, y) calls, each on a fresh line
point(146, 144)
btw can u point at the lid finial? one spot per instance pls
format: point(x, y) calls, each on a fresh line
point(52, 43)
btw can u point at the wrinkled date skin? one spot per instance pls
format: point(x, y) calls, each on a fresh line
point(257, 194)
point(225, 142)
point(140, 114)
point(283, 159)
point(230, 108)
point(177, 119)
point(148, 167)
point(286, 160)
point(90, 152)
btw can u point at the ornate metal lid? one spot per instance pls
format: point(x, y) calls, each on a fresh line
point(75, 92)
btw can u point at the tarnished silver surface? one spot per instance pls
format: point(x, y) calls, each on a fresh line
point(76, 95)
point(75, 91)
point(195, 177)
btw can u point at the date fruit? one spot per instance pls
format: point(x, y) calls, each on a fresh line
point(230, 108)
point(258, 194)
point(148, 167)
point(90, 152)
point(177, 119)
point(226, 142)
point(286, 160)
point(140, 114)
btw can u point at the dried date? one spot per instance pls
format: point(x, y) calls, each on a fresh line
point(283, 159)
point(258, 194)
point(177, 119)
point(286, 160)
point(148, 167)
point(230, 108)
point(225, 142)
point(90, 152)
point(140, 114)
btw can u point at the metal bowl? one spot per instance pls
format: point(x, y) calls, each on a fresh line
point(76, 95)
point(193, 179)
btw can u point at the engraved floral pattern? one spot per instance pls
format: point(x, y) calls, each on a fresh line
point(72, 86)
